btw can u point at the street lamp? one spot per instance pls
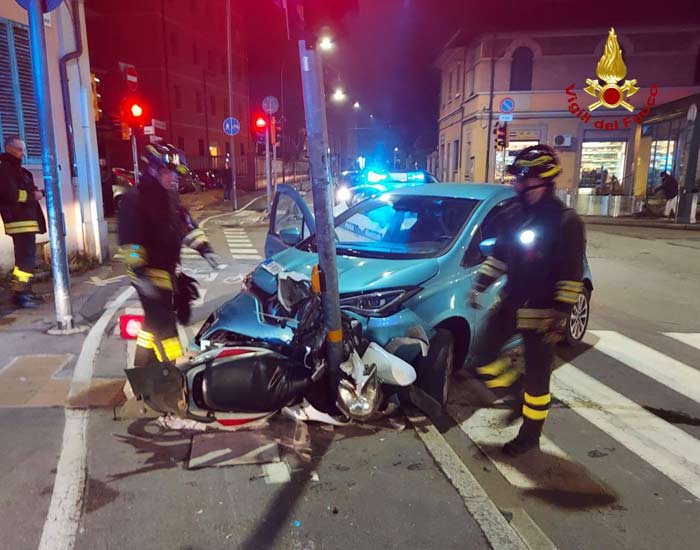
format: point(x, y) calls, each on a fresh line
point(326, 44)
point(396, 149)
point(356, 105)
point(339, 95)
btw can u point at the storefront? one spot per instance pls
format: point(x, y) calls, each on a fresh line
point(603, 166)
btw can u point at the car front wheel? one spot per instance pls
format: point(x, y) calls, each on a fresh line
point(578, 320)
point(435, 370)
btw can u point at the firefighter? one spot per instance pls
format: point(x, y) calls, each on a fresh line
point(153, 227)
point(23, 220)
point(540, 248)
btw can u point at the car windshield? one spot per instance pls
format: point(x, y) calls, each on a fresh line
point(401, 227)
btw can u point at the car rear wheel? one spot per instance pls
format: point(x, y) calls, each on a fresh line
point(578, 321)
point(435, 370)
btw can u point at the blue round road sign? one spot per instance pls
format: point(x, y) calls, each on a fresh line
point(232, 126)
point(507, 105)
point(50, 4)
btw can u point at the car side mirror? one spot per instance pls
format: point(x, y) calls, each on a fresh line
point(486, 246)
point(290, 236)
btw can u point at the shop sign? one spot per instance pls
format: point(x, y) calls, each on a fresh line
point(611, 71)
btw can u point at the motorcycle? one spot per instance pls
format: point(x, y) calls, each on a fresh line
point(237, 382)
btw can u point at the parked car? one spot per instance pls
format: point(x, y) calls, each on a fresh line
point(405, 259)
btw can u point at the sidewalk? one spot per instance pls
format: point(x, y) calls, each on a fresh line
point(656, 223)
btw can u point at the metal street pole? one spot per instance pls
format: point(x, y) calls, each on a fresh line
point(317, 135)
point(274, 166)
point(57, 236)
point(685, 198)
point(135, 155)
point(491, 91)
point(268, 175)
point(232, 141)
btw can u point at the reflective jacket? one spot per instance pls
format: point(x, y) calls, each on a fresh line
point(153, 227)
point(20, 211)
point(541, 249)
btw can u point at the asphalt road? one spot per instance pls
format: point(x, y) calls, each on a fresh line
point(620, 466)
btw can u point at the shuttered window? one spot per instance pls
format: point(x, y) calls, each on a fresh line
point(18, 111)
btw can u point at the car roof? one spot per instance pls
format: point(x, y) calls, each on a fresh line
point(476, 191)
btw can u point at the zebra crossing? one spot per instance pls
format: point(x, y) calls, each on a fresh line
point(662, 445)
point(238, 243)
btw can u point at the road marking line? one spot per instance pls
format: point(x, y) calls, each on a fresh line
point(61, 525)
point(666, 448)
point(244, 251)
point(489, 518)
point(662, 368)
point(487, 428)
point(237, 240)
point(529, 531)
point(247, 257)
point(691, 339)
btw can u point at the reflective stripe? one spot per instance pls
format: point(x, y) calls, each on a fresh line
point(15, 228)
point(572, 286)
point(538, 400)
point(535, 162)
point(335, 336)
point(566, 296)
point(534, 414)
point(22, 196)
point(497, 264)
point(172, 348)
point(549, 173)
point(534, 319)
point(160, 278)
point(489, 271)
point(21, 276)
point(505, 380)
point(495, 368)
point(134, 255)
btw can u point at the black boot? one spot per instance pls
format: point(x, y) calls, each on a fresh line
point(528, 438)
point(26, 300)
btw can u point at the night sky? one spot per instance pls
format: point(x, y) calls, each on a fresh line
point(384, 55)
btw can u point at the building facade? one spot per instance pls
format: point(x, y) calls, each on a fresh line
point(543, 76)
point(179, 50)
point(79, 174)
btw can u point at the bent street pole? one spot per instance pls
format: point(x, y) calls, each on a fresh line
point(57, 238)
point(232, 146)
point(315, 109)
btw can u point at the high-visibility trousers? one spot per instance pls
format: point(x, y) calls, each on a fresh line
point(157, 341)
point(25, 262)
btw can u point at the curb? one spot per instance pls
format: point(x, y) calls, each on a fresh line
point(637, 223)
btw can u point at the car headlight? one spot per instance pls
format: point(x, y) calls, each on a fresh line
point(343, 194)
point(381, 303)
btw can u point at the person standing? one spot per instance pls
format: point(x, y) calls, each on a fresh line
point(541, 250)
point(669, 186)
point(153, 226)
point(23, 220)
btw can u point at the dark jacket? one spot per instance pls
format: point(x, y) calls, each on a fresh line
point(670, 187)
point(153, 227)
point(20, 211)
point(541, 249)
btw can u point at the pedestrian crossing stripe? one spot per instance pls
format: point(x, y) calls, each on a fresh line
point(247, 257)
point(673, 374)
point(689, 339)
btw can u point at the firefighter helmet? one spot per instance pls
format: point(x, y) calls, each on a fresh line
point(156, 157)
point(537, 161)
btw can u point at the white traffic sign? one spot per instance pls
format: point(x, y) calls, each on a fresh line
point(232, 126)
point(505, 118)
point(149, 131)
point(270, 105)
point(159, 124)
point(132, 78)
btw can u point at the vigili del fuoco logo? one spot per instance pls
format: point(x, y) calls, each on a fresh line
point(611, 90)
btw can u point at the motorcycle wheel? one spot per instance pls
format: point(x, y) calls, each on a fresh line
point(434, 372)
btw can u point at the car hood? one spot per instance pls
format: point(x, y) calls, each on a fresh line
point(354, 274)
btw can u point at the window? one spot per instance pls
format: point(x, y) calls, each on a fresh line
point(488, 229)
point(18, 110)
point(195, 54)
point(458, 86)
point(228, 148)
point(177, 92)
point(290, 219)
point(201, 147)
point(601, 161)
point(470, 83)
point(521, 69)
point(456, 157)
point(181, 143)
point(212, 104)
point(173, 44)
point(697, 68)
point(449, 88)
point(198, 101)
point(443, 93)
point(242, 147)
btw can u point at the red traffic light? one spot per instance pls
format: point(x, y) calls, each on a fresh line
point(260, 123)
point(136, 110)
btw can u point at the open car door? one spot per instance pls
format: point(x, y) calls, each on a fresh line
point(291, 221)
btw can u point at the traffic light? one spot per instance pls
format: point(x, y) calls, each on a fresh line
point(260, 124)
point(501, 137)
point(134, 113)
